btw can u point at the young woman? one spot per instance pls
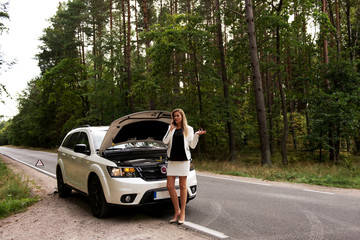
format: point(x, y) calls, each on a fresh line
point(179, 137)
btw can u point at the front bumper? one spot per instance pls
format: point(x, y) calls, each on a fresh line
point(136, 191)
point(152, 196)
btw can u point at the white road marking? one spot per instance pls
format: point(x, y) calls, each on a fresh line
point(234, 180)
point(205, 230)
point(308, 190)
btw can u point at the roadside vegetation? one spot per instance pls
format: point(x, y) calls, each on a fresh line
point(110, 60)
point(15, 192)
point(303, 167)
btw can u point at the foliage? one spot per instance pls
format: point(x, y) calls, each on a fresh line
point(92, 74)
point(336, 108)
point(3, 133)
point(3, 16)
point(15, 193)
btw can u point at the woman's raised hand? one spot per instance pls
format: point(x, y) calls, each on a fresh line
point(200, 132)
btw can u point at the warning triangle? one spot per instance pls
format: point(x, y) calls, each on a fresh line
point(39, 163)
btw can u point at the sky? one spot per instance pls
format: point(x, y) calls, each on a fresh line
point(28, 18)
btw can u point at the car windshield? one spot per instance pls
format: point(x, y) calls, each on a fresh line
point(139, 145)
point(98, 137)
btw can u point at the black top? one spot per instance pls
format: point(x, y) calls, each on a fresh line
point(178, 148)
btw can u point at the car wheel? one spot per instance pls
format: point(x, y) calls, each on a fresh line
point(63, 189)
point(98, 204)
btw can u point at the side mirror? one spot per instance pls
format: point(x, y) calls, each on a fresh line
point(81, 148)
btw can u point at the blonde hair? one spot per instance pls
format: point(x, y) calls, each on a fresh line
point(183, 122)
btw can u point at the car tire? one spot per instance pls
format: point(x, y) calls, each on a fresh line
point(63, 190)
point(99, 207)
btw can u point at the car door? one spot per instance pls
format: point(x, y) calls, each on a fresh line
point(80, 163)
point(67, 154)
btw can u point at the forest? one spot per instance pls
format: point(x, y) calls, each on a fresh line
point(271, 75)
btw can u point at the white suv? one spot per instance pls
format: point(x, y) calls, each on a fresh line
point(124, 164)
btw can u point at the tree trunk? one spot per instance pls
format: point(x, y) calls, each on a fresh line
point(332, 151)
point(349, 29)
point(111, 43)
point(137, 32)
point(94, 47)
point(357, 145)
point(146, 27)
point(79, 47)
point(282, 93)
point(270, 101)
point(338, 42)
point(285, 121)
point(82, 45)
point(128, 56)
point(94, 55)
point(176, 69)
point(124, 70)
point(307, 62)
point(202, 146)
point(171, 7)
point(111, 57)
point(291, 103)
point(325, 44)
point(147, 45)
point(226, 84)
point(124, 30)
point(259, 96)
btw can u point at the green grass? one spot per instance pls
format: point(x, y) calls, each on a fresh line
point(302, 168)
point(15, 192)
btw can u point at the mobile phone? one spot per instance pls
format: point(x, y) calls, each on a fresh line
point(173, 122)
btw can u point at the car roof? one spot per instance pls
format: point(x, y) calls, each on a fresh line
point(89, 128)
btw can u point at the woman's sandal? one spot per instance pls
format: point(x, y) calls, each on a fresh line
point(174, 220)
point(181, 222)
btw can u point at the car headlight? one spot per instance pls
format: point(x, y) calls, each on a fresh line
point(122, 171)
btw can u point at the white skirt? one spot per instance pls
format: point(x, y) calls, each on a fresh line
point(178, 168)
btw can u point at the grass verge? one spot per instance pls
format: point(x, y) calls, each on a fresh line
point(301, 169)
point(15, 192)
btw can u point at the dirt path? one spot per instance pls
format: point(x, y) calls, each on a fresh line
point(71, 218)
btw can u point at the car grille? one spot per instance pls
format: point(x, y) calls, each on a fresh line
point(151, 173)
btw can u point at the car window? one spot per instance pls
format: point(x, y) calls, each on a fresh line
point(83, 139)
point(66, 141)
point(72, 141)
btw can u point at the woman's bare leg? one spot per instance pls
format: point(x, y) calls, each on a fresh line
point(183, 197)
point(173, 195)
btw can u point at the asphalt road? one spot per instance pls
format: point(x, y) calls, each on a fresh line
point(43, 161)
point(232, 208)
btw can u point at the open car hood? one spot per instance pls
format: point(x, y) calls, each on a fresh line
point(140, 126)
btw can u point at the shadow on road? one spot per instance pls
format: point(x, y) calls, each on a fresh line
point(162, 210)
